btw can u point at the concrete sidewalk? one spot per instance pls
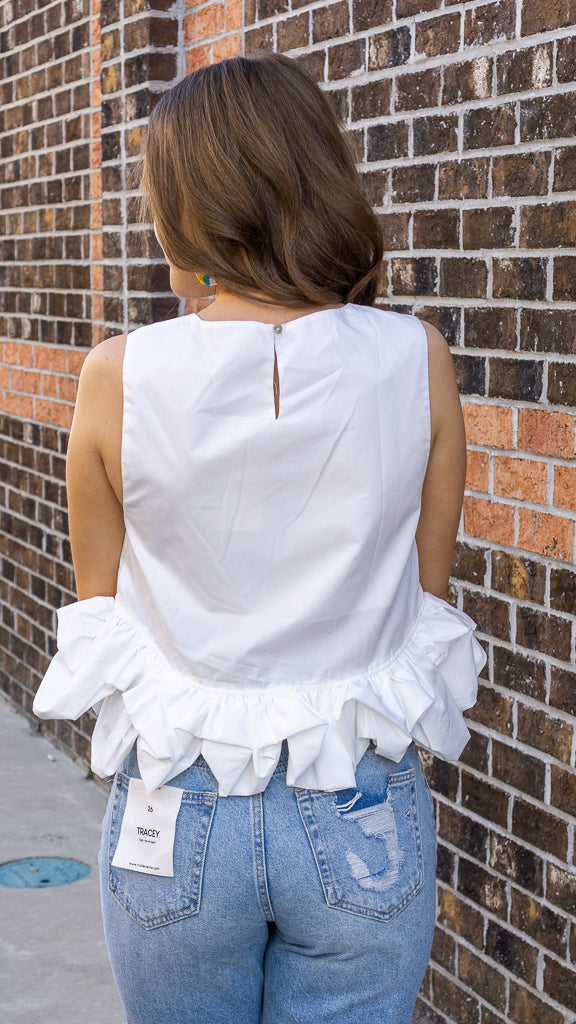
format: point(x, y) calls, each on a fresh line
point(53, 962)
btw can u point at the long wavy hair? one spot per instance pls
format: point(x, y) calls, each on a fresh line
point(249, 178)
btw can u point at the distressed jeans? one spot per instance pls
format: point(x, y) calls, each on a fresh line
point(294, 906)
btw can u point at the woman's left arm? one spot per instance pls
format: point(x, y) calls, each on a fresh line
point(93, 472)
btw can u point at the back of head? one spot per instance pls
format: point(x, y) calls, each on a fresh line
point(248, 178)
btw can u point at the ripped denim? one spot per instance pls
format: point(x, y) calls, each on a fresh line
point(291, 907)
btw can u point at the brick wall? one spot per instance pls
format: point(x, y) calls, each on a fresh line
point(463, 118)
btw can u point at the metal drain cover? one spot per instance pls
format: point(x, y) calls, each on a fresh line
point(41, 872)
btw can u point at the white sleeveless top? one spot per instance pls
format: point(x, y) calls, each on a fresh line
point(268, 584)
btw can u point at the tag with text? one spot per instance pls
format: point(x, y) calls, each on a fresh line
point(148, 827)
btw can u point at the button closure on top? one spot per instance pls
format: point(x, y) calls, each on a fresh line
point(277, 328)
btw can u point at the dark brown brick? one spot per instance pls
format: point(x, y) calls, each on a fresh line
point(559, 979)
point(371, 100)
point(561, 888)
point(524, 70)
point(438, 35)
point(387, 141)
point(485, 800)
point(566, 60)
point(520, 174)
point(463, 278)
point(516, 862)
point(445, 318)
point(268, 8)
point(563, 788)
point(435, 134)
point(565, 278)
point(548, 225)
point(489, 22)
point(463, 179)
point(470, 373)
point(516, 379)
point(442, 776)
point(313, 63)
point(518, 577)
point(444, 950)
point(563, 591)
point(389, 49)
point(454, 1001)
point(394, 230)
point(565, 170)
point(543, 330)
point(523, 278)
point(417, 90)
point(375, 185)
point(539, 922)
point(481, 978)
point(468, 81)
point(548, 117)
point(260, 38)
point(414, 276)
point(405, 8)
point(414, 183)
point(346, 58)
point(513, 766)
point(541, 16)
point(562, 384)
point(293, 32)
point(484, 124)
point(540, 730)
point(563, 690)
point(539, 828)
point(490, 327)
point(329, 22)
point(367, 14)
point(493, 710)
point(515, 954)
point(525, 1006)
point(549, 634)
point(488, 229)
point(469, 563)
point(436, 229)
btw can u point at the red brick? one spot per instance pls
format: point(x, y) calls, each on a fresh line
point(565, 278)
point(488, 229)
point(489, 520)
point(565, 487)
point(563, 787)
point(477, 471)
point(490, 327)
point(436, 229)
point(548, 225)
point(458, 179)
point(417, 90)
point(549, 535)
point(330, 21)
point(548, 117)
point(525, 479)
point(524, 70)
point(520, 174)
point(547, 433)
point(525, 1006)
point(489, 425)
point(565, 170)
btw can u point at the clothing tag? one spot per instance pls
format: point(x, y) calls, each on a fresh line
point(147, 835)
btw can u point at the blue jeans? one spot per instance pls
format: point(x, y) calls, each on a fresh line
point(291, 907)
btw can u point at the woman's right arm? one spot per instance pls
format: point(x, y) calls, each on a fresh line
point(443, 488)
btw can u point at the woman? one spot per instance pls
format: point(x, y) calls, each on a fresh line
point(264, 499)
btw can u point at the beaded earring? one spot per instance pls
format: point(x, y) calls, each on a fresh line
point(207, 281)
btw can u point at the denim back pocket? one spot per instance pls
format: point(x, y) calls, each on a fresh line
point(154, 900)
point(369, 858)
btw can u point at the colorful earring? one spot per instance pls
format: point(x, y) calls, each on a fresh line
point(207, 281)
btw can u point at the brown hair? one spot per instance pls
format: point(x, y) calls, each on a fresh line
point(248, 177)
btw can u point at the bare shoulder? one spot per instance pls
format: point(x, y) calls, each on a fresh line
point(445, 409)
point(106, 358)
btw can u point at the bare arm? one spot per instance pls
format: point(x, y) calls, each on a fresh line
point(443, 488)
point(93, 472)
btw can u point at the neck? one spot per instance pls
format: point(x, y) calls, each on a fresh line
point(229, 306)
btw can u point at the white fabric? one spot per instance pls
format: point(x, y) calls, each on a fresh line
point(268, 585)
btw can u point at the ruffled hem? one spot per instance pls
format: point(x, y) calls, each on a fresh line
point(107, 660)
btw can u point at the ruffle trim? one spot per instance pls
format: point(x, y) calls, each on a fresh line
point(107, 660)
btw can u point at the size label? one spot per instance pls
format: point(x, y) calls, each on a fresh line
point(148, 827)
